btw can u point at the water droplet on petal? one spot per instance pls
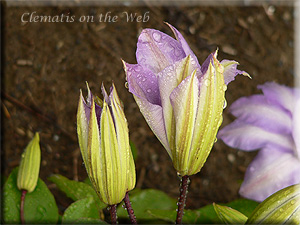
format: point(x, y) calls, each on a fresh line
point(126, 85)
point(225, 104)
point(206, 82)
point(156, 36)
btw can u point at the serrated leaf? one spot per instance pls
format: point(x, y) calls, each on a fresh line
point(82, 211)
point(76, 190)
point(229, 215)
point(145, 200)
point(283, 207)
point(40, 206)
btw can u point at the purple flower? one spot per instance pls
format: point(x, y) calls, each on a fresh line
point(269, 122)
point(181, 101)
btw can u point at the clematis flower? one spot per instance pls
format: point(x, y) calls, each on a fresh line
point(269, 122)
point(104, 143)
point(181, 101)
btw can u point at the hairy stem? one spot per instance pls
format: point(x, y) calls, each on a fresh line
point(113, 214)
point(182, 198)
point(129, 209)
point(22, 206)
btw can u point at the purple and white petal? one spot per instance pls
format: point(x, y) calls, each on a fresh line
point(258, 111)
point(296, 127)
point(269, 172)
point(279, 94)
point(156, 50)
point(207, 61)
point(186, 48)
point(248, 137)
point(153, 115)
point(231, 71)
point(142, 82)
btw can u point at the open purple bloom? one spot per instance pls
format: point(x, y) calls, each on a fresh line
point(269, 122)
point(181, 101)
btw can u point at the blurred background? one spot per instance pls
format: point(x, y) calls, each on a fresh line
point(46, 64)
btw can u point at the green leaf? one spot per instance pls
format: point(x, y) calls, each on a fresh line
point(204, 215)
point(244, 206)
point(229, 215)
point(133, 150)
point(189, 217)
point(282, 207)
point(82, 211)
point(148, 199)
point(76, 190)
point(40, 206)
point(89, 221)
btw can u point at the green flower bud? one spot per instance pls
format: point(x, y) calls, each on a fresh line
point(29, 168)
point(104, 144)
point(283, 207)
point(229, 215)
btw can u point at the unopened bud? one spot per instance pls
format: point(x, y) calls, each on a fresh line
point(28, 173)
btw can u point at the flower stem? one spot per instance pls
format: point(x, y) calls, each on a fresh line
point(113, 214)
point(22, 206)
point(182, 198)
point(129, 209)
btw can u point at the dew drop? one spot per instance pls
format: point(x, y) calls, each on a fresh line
point(225, 104)
point(138, 68)
point(126, 85)
point(156, 36)
point(206, 82)
point(293, 202)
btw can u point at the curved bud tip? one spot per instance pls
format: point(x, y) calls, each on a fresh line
point(229, 215)
point(29, 169)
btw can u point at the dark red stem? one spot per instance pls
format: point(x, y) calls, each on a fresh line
point(113, 214)
point(129, 209)
point(182, 198)
point(22, 206)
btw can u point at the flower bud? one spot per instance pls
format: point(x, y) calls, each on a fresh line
point(29, 168)
point(283, 207)
point(104, 144)
point(229, 215)
point(181, 101)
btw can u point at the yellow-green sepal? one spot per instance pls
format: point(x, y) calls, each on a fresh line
point(83, 130)
point(114, 186)
point(229, 215)
point(283, 207)
point(209, 115)
point(29, 168)
point(184, 100)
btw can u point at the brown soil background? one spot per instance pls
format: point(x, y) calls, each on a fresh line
point(46, 64)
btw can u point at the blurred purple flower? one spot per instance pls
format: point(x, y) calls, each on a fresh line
point(270, 122)
point(181, 101)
